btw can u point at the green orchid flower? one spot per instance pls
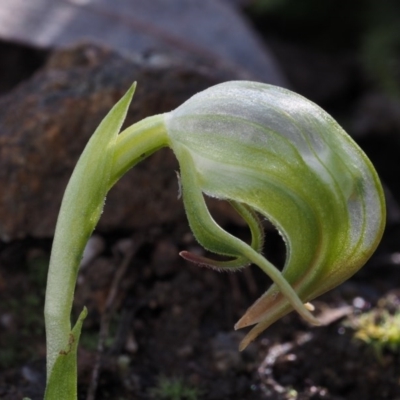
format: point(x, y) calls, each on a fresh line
point(269, 152)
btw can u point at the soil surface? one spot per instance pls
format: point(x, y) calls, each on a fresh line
point(173, 322)
point(167, 326)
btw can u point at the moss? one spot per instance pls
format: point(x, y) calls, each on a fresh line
point(379, 329)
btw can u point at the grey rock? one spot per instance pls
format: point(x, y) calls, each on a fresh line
point(208, 29)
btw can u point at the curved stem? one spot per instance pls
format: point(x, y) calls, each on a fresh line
point(105, 159)
point(136, 143)
point(80, 210)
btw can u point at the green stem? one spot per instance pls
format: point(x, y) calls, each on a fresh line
point(105, 159)
point(136, 143)
point(80, 211)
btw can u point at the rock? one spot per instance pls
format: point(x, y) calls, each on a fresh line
point(213, 29)
point(18, 62)
point(323, 77)
point(46, 121)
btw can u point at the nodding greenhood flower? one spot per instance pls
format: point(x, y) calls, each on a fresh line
point(271, 151)
point(266, 150)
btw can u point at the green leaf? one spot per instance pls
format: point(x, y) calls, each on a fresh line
point(62, 384)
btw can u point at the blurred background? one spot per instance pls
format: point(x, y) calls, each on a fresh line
point(168, 333)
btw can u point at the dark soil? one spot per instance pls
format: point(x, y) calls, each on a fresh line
point(173, 320)
point(172, 323)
